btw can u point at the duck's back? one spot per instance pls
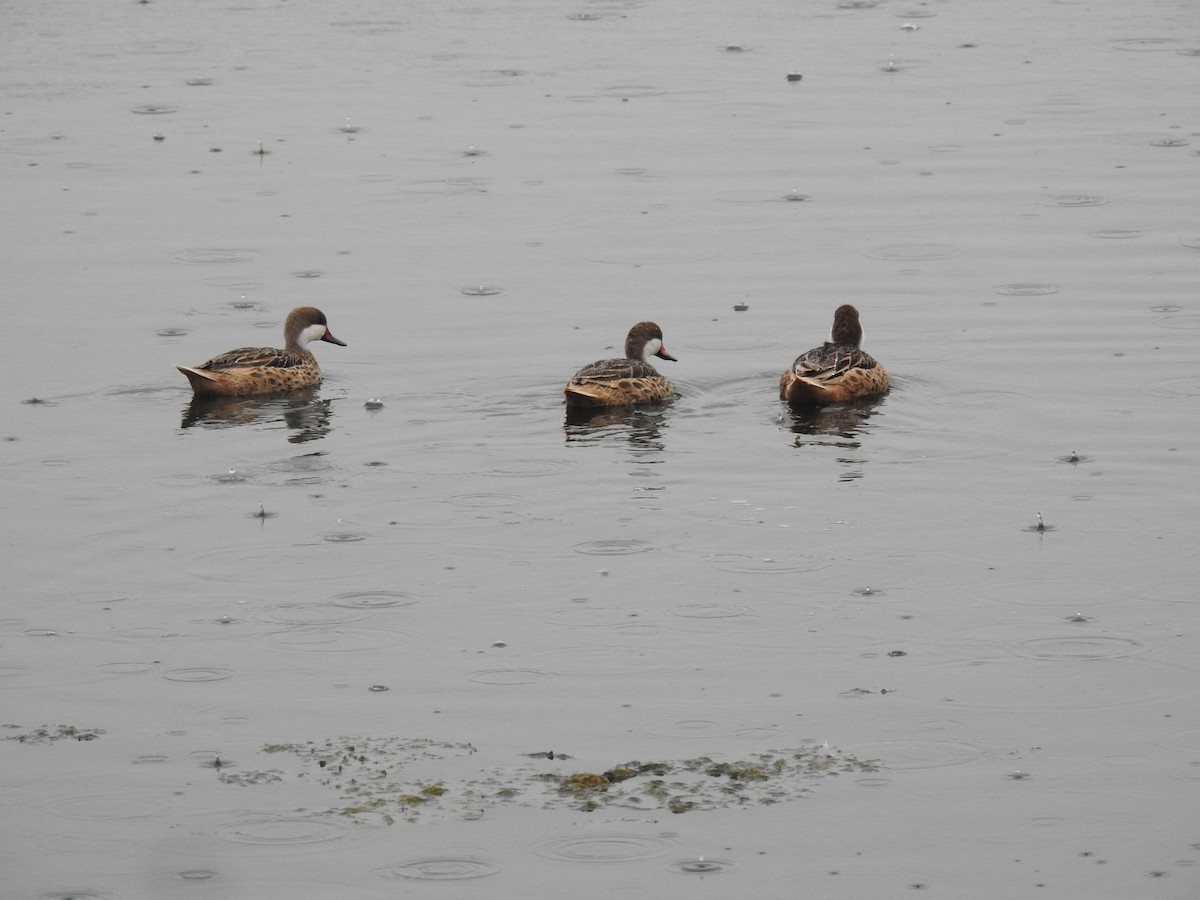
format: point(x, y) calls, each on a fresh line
point(254, 357)
point(831, 361)
point(614, 370)
point(832, 373)
point(616, 382)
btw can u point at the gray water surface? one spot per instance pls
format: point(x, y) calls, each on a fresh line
point(204, 604)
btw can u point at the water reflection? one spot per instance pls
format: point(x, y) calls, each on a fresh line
point(306, 417)
point(640, 426)
point(840, 426)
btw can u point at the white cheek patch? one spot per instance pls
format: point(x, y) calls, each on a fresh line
point(313, 332)
point(652, 347)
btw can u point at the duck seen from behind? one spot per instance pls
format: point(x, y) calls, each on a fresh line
point(624, 382)
point(266, 370)
point(837, 371)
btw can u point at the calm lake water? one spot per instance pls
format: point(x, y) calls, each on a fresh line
point(303, 648)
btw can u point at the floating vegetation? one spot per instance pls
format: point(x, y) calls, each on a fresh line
point(49, 733)
point(582, 784)
point(391, 779)
point(248, 779)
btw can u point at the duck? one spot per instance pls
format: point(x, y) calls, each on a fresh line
point(624, 382)
point(266, 370)
point(837, 371)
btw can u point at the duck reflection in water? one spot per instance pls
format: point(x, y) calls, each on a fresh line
point(840, 426)
point(833, 426)
point(639, 425)
point(306, 417)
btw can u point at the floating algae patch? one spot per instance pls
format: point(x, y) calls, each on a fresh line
point(246, 779)
point(386, 779)
point(50, 733)
point(391, 779)
point(703, 783)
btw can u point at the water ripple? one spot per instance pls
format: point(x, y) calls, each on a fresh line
point(193, 674)
point(371, 600)
point(915, 252)
point(343, 640)
point(611, 847)
point(441, 868)
point(705, 726)
point(612, 547)
point(701, 865)
point(1079, 647)
point(281, 831)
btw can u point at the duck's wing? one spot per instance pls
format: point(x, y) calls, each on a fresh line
point(616, 382)
point(614, 370)
point(832, 373)
point(831, 362)
point(255, 357)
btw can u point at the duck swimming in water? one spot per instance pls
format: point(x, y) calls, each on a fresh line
point(624, 382)
point(838, 370)
point(266, 370)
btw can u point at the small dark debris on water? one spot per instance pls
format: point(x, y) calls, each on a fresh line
point(741, 307)
point(378, 688)
point(794, 76)
point(897, 653)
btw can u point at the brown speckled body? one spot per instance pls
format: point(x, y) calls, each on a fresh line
point(838, 370)
point(250, 371)
point(623, 382)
